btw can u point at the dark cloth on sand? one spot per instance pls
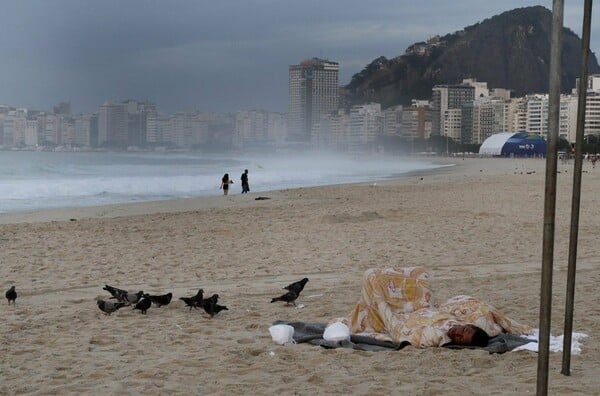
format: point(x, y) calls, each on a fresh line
point(313, 333)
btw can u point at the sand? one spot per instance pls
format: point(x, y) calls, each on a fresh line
point(476, 226)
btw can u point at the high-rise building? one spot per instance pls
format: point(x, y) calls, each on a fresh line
point(86, 130)
point(445, 98)
point(484, 117)
point(313, 92)
point(113, 124)
point(365, 126)
point(592, 107)
point(416, 121)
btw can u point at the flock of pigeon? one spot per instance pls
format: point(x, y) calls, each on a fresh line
point(142, 301)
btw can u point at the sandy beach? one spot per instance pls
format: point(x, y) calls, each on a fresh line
point(477, 227)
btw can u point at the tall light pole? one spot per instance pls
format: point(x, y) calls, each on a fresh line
point(550, 198)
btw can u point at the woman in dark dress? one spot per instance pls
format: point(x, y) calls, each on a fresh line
point(225, 182)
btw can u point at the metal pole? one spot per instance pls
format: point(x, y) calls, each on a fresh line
point(550, 198)
point(575, 202)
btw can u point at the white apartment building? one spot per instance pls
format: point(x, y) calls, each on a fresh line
point(448, 97)
point(86, 130)
point(451, 123)
point(392, 121)
point(416, 120)
point(490, 115)
point(332, 132)
point(530, 113)
point(537, 114)
point(113, 124)
point(365, 126)
point(481, 88)
point(251, 128)
point(31, 133)
point(276, 128)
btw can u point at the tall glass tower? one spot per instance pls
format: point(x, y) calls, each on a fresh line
point(313, 92)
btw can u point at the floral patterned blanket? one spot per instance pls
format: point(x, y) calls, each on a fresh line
point(397, 305)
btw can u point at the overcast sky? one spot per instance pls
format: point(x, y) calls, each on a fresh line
point(222, 55)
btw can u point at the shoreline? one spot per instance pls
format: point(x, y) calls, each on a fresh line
point(175, 205)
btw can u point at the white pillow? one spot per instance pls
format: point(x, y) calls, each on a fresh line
point(282, 334)
point(336, 332)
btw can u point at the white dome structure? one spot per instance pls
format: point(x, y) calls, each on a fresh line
point(514, 144)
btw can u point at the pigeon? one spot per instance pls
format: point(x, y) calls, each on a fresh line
point(289, 297)
point(11, 295)
point(194, 301)
point(115, 292)
point(159, 301)
point(132, 298)
point(212, 299)
point(297, 287)
point(143, 305)
point(124, 296)
point(294, 290)
point(109, 307)
point(211, 307)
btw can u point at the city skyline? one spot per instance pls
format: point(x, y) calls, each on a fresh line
point(207, 56)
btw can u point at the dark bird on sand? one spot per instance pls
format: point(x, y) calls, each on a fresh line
point(297, 287)
point(143, 305)
point(289, 298)
point(124, 296)
point(109, 307)
point(214, 299)
point(159, 301)
point(211, 307)
point(11, 295)
point(115, 292)
point(194, 301)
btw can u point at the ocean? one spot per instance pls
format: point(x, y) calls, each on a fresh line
point(39, 180)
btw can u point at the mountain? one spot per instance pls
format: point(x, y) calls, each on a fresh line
point(510, 50)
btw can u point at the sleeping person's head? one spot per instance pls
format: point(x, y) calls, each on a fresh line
point(468, 335)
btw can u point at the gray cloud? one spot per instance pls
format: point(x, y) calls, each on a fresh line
point(207, 55)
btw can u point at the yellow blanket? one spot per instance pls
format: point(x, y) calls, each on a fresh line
point(397, 305)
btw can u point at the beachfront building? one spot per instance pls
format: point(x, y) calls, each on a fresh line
point(365, 126)
point(313, 92)
point(480, 87)
point(250, 128)
point(67, 137)
point(451, 123)
point(530, 113)
point(392, 120)
point(86, 130)
point(537, 114)
point(444, 99)
point(482, 118)
point(113, 124)
point(592, 108)
point(332, 132)
point(416, 120)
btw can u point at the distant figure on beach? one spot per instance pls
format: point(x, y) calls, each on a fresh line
point(245, 185)
point(225, 182)
point(594, 158)
point(11, 295)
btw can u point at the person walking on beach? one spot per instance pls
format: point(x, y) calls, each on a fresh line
point(245, 185)
point(225, 182)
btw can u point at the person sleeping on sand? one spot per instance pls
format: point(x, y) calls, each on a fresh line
point(397, 305)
